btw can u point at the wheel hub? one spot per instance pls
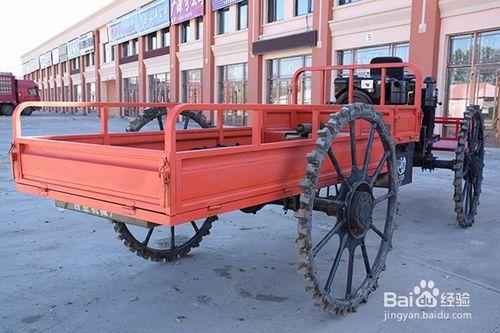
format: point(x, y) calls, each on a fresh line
point(359, 209)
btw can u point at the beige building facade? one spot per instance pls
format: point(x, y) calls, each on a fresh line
point(232, 51)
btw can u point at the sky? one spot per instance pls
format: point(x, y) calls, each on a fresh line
point(25, 24)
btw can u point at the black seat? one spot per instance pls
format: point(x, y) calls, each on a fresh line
point(395, 73)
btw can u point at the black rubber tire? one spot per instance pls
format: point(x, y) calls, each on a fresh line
point(324, 299)
point(27, 112)
point(359, 97)
point(7, 109)
point(466, 172)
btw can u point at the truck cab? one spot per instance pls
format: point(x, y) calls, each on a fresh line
point(14, 91)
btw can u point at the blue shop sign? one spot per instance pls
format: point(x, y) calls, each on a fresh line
point(147, 19)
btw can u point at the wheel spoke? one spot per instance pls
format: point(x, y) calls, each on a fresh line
point(186, 122)
point(368, 149)
point(337, 166)
point(383, 198)
point(377, 231)
point(172, 238)
point(352, 139)
point(469, 136)
point(336, 262)
point(379, 169)
point(475, 134)
point(160, 123)
point(148, 236)
point(479, 147)
point(349, 274)
point(470, 197)
point(195, 227)
point(465, 190)
point(327, 237)
point(365, 259)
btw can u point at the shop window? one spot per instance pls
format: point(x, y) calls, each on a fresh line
point(152, 41)
point(346, 2)
point(191, 86)
point(165, 38)
point(125, 49)
point(90, 92)
point(232, 86)
point(185, 32)
point(89, 60)
point(135, 46)
point(67, 93)
point(365, 55)
point(90, 95)
point(130, 95)
point(402, 51)
point(159, 88)
point(275, 10)
point(242, 15)
point(77, 92)
point(472, 73)
point(303, 7)
point(130, 48)
point(223, 21)
point(461, 50)
point(199, 28)
point(280, 75)
point(108, 53)
point(488, 47)
point(75, 64)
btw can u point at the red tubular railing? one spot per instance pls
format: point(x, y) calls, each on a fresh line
point(103, 111)
point(449, 121)
point(257, 118)
point(174, 111)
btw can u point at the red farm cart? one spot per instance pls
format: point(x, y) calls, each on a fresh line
point(338, 166)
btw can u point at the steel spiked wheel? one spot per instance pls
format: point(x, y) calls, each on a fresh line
point(359, 219)
point(151, 114)
point(162, 243)
point(468, 168)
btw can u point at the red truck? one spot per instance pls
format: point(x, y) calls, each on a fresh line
point(14, 92)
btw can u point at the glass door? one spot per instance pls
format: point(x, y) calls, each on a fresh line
point(473, 71)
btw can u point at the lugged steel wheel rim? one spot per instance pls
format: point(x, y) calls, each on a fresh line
point(169, 246)
point(469, 165)
point(354, 220)
point(156, 114)
point(138, 239)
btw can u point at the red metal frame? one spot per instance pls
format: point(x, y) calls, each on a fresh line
point(158, 177)
point(447, 143)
